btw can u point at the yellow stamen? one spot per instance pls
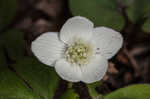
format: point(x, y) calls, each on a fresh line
point(79, 52)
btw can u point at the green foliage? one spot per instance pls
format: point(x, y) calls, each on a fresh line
point(70, 94)
point(92, 90)
point(139, 91)
point(127, 3)
point(43, 79)
point(7, 12)
point(138, 9)
point(13, 41)
point(11, 87)
point(101, 12)
point(146, 26)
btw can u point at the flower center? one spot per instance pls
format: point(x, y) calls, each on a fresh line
point(79, 53)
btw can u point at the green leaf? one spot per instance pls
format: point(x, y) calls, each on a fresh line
point(7, 12)
point(70, 94)
point(11, 87)
point(146, 26)
point(101, 12)
point(139, 91)
point(127, 3)
point(43, 79)
point(138, 9)
point(92, 90)
point(13, 41)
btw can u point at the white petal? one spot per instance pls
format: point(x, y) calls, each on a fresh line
point(76, 27)
point(47, 48)
point(108, 41)
point(95, 70)
point(67, 71)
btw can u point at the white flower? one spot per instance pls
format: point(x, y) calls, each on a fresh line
point(80, 52)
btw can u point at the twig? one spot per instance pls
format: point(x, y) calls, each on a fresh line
point(133, 62)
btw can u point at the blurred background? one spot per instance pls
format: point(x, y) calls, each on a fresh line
point(21, 21)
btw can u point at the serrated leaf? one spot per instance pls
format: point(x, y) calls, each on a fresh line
point(70, 94)
point(101, 12)
point(146, 26)
point(92, 90)
point(7, 12)
point(12, 87)
point(43, 79)
point(139, 91)
point(138, 9)
point(13, 41)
